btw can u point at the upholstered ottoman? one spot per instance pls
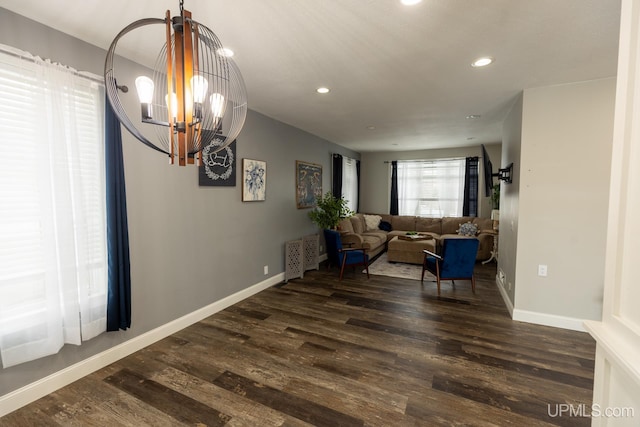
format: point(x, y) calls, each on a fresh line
point(409, 251)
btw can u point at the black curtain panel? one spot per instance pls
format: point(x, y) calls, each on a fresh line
point(470, 203)
point(336, 179)
point(394, 188)
point(119, 274)
point(358, 178)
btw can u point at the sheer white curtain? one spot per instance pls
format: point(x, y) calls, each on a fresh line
point(350, 182)
point(53, 276)
point(433, 188)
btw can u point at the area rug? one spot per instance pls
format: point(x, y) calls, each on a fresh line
point(382, 267)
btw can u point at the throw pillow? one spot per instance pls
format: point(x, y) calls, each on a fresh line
point(385, 226)
point(468, 229)
point(372, 222)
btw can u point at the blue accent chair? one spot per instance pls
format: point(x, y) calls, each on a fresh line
point(337, 255)
point(456, 261)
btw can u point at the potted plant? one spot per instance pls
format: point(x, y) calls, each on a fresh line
point(329, 211)
point(495, 197)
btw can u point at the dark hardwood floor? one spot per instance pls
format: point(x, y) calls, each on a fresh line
point(315, 351)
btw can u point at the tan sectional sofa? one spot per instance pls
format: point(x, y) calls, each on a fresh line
point(354, 231)
point(354, 234)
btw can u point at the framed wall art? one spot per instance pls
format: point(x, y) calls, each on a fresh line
point(254, 180)
point(218, 168)
point(308, 184)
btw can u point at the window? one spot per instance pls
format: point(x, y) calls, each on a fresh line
point(53, 269)
point(350, 183)
point(345, 180)
point(433, 188)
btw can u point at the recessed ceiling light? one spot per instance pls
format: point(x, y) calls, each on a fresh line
point(473, 116)
point(322, 90)
point(225, 52)
point(482, 62)
point(410, 2)
point(371, 127)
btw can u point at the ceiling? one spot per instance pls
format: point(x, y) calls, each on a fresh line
point(400, 76)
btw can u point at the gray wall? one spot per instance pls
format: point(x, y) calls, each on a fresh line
point(555, 211)
point(375, 185)
point(190, 246)
point(567, 133)
point(509, 201)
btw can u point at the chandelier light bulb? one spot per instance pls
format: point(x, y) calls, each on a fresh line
point(217, 105)
point(174, 105)
point(199, 87)
point(144, 87)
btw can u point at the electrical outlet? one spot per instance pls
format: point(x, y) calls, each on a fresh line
point(266, 270)
point(542, 270)
point(509, 286)
point(321, 248)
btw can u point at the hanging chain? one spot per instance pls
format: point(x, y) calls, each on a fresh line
point(181, 6)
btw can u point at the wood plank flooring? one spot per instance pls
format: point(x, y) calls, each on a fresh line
point(316, 351)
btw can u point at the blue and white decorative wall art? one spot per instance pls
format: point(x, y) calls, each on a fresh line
point(218, 168)
point(254, 180)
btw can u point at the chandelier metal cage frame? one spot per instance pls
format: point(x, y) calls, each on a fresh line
point(198, 93)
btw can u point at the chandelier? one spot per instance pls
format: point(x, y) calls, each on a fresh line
point(196, 93)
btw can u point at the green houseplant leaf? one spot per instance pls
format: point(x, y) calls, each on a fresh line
point(495, 197)
point(329, 211)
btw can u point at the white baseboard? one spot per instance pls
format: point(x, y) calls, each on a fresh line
point(539, 318)
point(34, 391)
point(505, 296)
point(549, 320)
